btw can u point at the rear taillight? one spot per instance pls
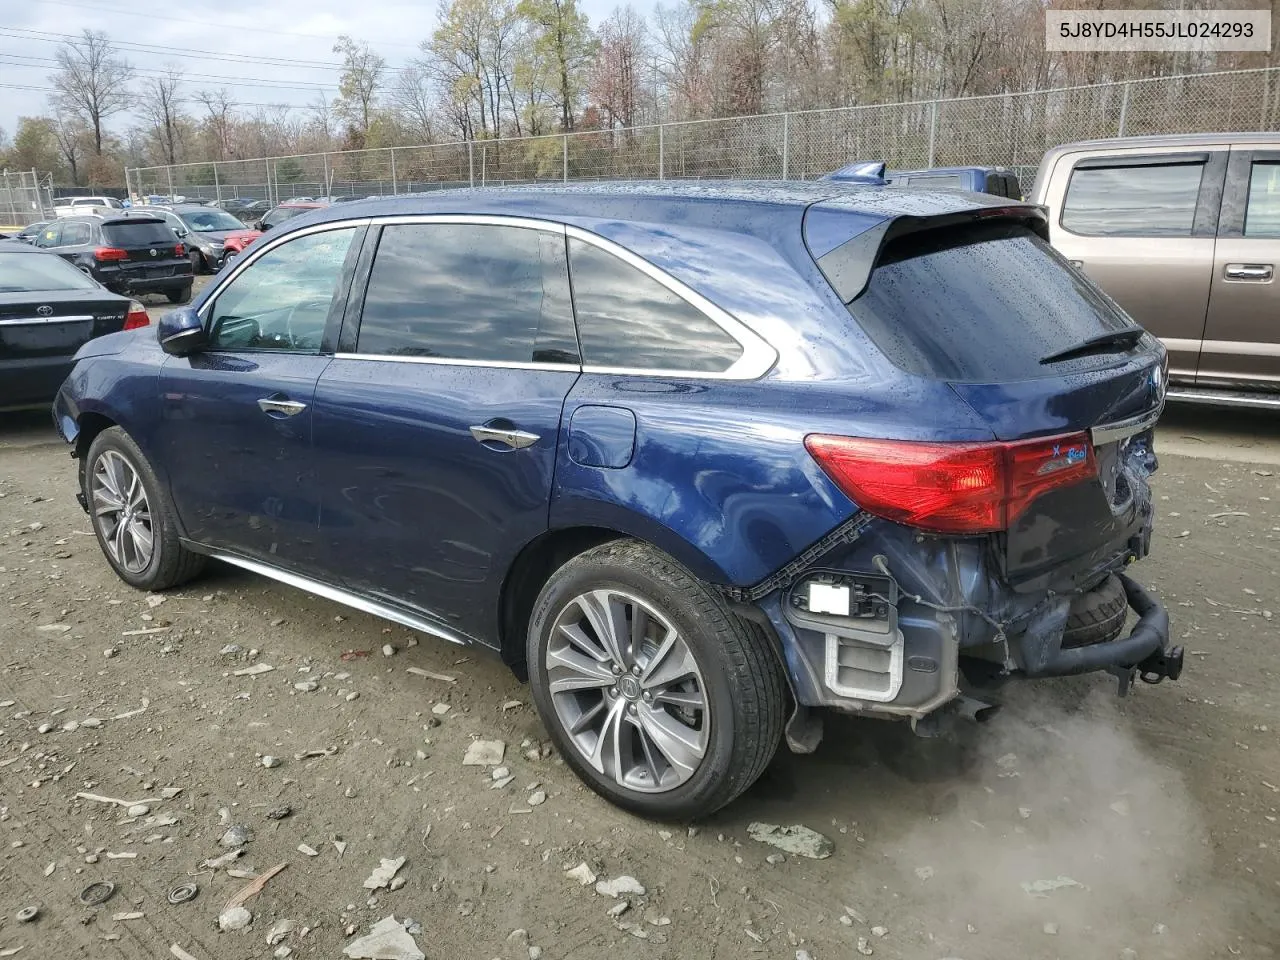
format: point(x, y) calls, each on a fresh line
point(952, 487)
point(136, 317)
point(180, 250)
point(110, 253)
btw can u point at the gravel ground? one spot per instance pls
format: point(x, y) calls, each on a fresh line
point(1072, 825)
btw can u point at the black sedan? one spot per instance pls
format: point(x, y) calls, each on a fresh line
point(48, 310)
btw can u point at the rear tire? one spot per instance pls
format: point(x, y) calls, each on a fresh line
point(133, 517)
point(677, 711)
point(181, 295)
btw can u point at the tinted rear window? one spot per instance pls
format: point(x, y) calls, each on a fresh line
point(37, 272)
point(981, 304)
point(143, 234)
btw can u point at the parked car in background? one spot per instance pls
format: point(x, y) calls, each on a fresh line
point(48, 310)
point(81, 206)
point(126, 254)
point(209, 233)
point(997, 181)
point(246, 210)
point(287, 211)
point(695, 458)
point(1184, 232)
point(29, 233)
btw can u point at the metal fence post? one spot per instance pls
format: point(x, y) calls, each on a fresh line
point(169, 172)
point(395, 185)
point(471, 162)
point(1124, 110)
point(786, 142)
point(217, 187)
point(933, 131)
point(662, 152)
point(328, 177)
point(564, 156)
point(484, 163)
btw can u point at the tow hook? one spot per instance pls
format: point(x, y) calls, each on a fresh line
point(1160, 665)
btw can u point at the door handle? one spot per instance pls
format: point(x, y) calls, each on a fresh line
point(281, 408)
point(515, 439)
point(1258, 272)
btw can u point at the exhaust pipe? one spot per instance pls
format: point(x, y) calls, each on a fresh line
point(971, 708)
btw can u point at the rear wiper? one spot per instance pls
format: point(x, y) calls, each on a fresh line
point(1125, 337)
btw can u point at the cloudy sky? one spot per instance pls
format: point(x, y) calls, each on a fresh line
point(262, 52)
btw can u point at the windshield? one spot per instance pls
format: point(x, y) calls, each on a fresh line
point(20, 272)
point(207, 221)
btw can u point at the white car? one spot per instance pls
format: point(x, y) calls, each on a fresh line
point(82, 206)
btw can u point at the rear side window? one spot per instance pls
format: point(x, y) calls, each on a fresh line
point(1262, 215)
point(469, 292)
point(145, 233)
point(981, 304)
point(628, 319)
point(1156, 200)
point(74, 234)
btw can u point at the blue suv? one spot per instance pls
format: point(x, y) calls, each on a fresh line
point(695, 460)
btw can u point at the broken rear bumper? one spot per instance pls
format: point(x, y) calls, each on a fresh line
point(1146, 649)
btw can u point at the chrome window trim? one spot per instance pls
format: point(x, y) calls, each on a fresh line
point(758, 356)
point(448, 362)
point(31, 321)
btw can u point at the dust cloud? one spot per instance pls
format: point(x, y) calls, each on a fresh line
point(1064, 839)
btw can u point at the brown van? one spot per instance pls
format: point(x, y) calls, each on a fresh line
point(1184, 233)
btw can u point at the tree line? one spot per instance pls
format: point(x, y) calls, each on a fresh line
point(521, 68)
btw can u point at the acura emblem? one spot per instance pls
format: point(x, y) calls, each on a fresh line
point(153, 251)
point(45, 311)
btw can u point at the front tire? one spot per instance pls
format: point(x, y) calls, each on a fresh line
point(133, 517)
point(181, 295)
point(659, 697)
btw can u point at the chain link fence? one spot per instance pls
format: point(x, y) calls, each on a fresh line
point(1008, 130)
point(25, 198)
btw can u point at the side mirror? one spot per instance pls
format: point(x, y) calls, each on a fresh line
point(263, 226)
point(181, 232)
point(181, 332)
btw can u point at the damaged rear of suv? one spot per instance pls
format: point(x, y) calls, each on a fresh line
point(699, 460)
point(974, 560)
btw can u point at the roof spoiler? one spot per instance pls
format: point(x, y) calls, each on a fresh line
point(848, 267)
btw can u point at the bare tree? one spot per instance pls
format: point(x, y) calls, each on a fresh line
point(218, 104)
point(92, 81)
point(414, 98)
point(616, 75)
point(321, 120)
point(71, 136)
point(160, 104)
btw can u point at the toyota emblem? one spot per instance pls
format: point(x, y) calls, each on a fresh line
point(153, 251)
point(45, 311)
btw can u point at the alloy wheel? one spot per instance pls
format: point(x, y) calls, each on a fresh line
point(122, 513)
point(627, 690)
